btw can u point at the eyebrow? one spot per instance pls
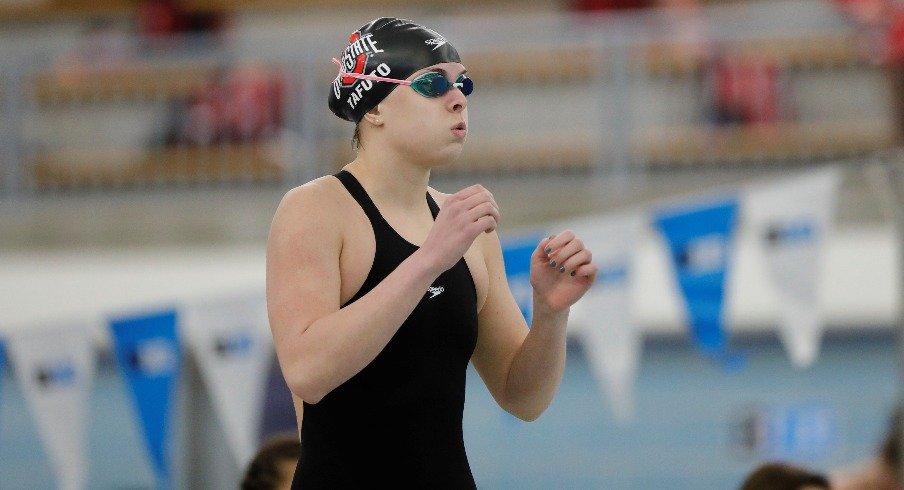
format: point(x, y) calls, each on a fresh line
point(444, 72)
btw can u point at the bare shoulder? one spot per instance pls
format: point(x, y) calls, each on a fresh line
point(318, 201)
point(321, 193)
point(310, 213)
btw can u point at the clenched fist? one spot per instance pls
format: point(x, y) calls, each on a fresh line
point(464, 215)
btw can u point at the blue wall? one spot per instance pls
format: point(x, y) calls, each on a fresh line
point(684, 435)
point(687, 411)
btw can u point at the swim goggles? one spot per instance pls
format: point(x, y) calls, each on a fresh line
point(430, 84)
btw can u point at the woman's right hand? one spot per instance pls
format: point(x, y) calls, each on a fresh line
point(464, 215)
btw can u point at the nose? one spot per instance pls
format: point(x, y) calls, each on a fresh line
point(456, 101)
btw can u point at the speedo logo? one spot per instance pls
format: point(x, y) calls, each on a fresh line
point(435, 291)
point(435, 42)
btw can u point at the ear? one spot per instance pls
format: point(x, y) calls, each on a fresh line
point(374, 116)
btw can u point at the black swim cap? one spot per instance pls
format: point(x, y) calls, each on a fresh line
point(389, 48)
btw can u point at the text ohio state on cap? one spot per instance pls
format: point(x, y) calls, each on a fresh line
point(385, 47)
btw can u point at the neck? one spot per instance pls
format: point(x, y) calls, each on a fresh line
point(391, 179)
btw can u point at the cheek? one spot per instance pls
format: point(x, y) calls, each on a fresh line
point(416, 125)
point(416, 121)
point(406, 112)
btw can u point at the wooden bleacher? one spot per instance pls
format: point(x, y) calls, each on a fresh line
point(501, 151)
point(664, 146)
point(786, 142)
point(255, 161)
point(229, 164)
point(133, 82)
point(835, 51)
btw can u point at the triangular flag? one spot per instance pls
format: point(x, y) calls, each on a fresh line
point(791, 219)
point(149, 355)
point(55, 369)
point(602, 318)
point(231, 340)
point(699, 239)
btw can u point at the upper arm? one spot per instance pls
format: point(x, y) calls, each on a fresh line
point(501, 326)
point(303, 281)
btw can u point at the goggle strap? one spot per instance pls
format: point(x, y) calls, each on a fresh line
point(363, 76)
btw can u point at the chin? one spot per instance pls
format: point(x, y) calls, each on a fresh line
point(440, 157)
point(448, 155)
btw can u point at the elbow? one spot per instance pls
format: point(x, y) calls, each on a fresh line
point(528, 415)
point(305, 388)
point(303, 377)
point(525, 413)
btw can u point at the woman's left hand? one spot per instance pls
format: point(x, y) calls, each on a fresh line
point(561, 271)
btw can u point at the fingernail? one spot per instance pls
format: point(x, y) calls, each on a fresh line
point(552, 263)
point(562, 269)
point(573, 273)
point(547, 249)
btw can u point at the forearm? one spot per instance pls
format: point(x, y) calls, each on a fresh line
point(336, 347)
point(537, 368)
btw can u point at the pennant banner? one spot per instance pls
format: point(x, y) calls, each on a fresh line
point(699, 241)
point(602, 318)
point(791, 219)
point(55, 369)
point(516, 254)
point(149, 355)
point(231, 341)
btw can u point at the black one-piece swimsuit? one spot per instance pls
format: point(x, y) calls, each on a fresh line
point(398, 422)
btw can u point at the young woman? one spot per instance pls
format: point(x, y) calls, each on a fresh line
point(381, 289)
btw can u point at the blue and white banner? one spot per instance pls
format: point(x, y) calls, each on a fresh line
point(791, 219)
point(602, 318)
point(55, 369)
point(230, 339)
point(806, 430)
point(699, 239)
point(149, 355)
point(516, 253)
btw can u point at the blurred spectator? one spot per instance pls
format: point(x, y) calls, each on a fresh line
point(106, 44)
point(746, 90)
point(782, 476)
point(739, 88)
point(159, 22)
point(242, 104)
point(163, 18)
point(273, 467)
point(881, 471)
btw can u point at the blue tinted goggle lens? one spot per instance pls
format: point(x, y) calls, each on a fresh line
point(434, 84)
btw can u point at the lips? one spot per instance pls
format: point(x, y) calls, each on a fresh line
point(460, 130)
